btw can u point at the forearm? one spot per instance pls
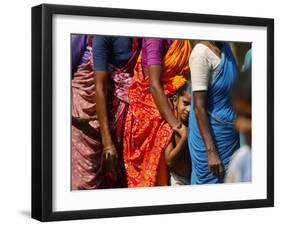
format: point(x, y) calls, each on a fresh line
point(102, 113)
point(173, 155)
point(214, 163)
point(161, 101)
point(204, 127)
point(163, 106)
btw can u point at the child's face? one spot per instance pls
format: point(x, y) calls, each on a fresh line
point(183, 106)
point(243, 121)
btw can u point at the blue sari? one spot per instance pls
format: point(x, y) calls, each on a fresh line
point(221, 118)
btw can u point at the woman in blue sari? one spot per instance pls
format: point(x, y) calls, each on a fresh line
point(212, 137)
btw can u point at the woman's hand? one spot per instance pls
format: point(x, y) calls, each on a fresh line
point(110, 159)
point(214, 163)
point(109, 151)
point(83, 121)
point(83, 124)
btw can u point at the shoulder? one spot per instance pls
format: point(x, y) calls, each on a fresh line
point(203, 55)
point(152, 42)
point(101, 41)
point(199, 50)
point(199, 53)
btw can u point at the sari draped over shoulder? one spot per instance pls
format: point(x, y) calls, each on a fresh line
point(221, 118)
point(146, 133)
point(87, 155)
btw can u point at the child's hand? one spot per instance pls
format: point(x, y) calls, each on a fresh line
point(182, 131)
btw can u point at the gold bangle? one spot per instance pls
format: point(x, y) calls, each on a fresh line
point(108, 147)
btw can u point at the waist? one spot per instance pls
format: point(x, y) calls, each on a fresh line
point(222, 119)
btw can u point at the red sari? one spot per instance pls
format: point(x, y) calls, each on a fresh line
point(120, 80)
point(147, 134)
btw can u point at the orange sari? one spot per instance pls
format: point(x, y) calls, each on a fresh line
point(147, 134)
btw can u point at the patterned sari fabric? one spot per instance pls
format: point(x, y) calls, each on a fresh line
point(121, 79)
point(221, 118)
point(86, 142)
point(87, 158)
point(146, 133)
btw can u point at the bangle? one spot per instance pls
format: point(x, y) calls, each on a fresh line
point(108, 147)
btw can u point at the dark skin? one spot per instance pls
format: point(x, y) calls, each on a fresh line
point(154, 73)
point(200, 97)
point(175, 153)
point(110, 153)
point(83, 124)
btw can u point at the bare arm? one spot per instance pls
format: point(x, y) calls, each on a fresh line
point(214, 162)
point(160, 99)
point(172, 153)
point(101, 81)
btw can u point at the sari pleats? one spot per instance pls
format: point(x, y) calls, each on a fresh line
point(146, 133)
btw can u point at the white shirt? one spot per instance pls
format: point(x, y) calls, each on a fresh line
point(240, 166)
point(203, 63)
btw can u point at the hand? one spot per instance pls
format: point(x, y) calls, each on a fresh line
point(110, 159)
point(214, 163)
point(181, 130)
point(82, 123)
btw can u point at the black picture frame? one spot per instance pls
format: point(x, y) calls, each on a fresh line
point(42, 107)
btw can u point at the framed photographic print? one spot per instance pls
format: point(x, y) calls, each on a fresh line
point(145, 112)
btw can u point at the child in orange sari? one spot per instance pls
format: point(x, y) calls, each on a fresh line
point(150, 121)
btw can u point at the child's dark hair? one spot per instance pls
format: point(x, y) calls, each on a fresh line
point(242, 87)
point(184, 89)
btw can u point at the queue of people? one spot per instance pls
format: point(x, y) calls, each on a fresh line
point(157, 112)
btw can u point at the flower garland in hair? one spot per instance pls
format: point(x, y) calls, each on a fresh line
point(175, 83)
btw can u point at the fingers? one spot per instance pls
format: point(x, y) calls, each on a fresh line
point(111, 160)
point(182, 131)
point(107, 160)
point(115, 161)
point(221, 169)
point(216, 169)
point(93, 118)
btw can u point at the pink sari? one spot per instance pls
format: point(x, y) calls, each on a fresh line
point(86, 143)
point(87, 156)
